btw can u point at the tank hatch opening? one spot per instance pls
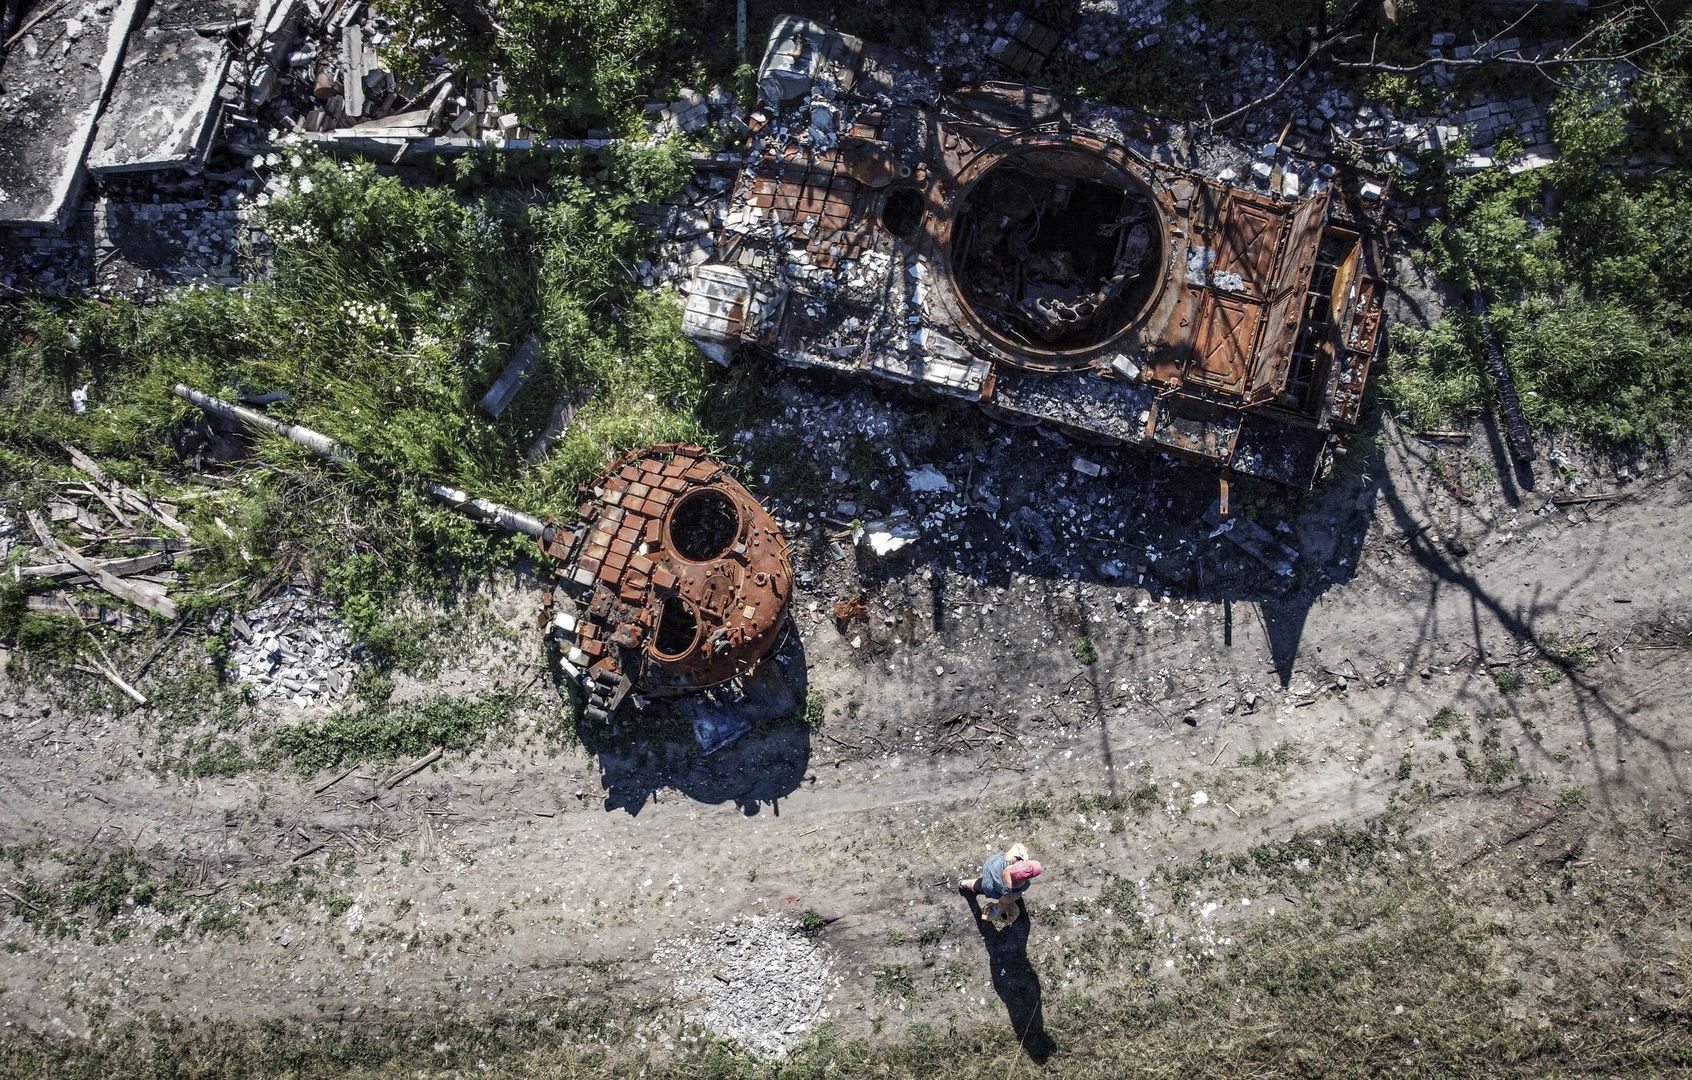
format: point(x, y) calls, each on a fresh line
point(704, 526)
point(903, 212)
point(678, 629)
point(1052, 248)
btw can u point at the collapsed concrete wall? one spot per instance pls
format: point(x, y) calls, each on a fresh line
point(56, 77)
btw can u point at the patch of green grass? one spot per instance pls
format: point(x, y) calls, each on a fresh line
point(1306, 859)
point(1084, 651)
point(66, 893)
point(39, 636)
point(1572, 799)
point(387, 732)
point(218, 917)
point(1587, 289)
point(1431, 377)
point(1144, 799)
point(390, 309)
point(1030, 811)
point(1572, 656)
point(222, 757)
point(1493, 766)
point(814, 711)
point(1507, 678)
point(895, 982)
point(811, 922)
point(1280, 755)
point(1445, 720)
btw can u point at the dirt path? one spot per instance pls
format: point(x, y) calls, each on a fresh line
point(503, 879)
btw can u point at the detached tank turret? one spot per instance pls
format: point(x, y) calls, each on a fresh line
point(674, 578)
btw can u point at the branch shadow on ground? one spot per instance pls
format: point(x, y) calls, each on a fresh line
point(646, 752)
point(1016, 982)
point(1524, 625)
point(969, 502)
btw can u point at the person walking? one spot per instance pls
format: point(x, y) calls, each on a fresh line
point(1005, 877)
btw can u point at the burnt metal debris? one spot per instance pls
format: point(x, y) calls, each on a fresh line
point(1046, 258)
point(673, 580)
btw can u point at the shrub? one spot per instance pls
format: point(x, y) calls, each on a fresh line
point(1432, 374)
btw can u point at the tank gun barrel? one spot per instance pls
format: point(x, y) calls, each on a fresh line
point(484, 510)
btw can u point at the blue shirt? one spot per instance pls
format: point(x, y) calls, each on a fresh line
point(995, 879)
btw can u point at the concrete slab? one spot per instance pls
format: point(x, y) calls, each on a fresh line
point(55, 79)
point(164, 103)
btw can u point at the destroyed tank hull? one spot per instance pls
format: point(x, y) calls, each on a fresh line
point(673, 580)
point(1044, 258)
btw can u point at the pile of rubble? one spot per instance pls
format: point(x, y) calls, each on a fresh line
point(293, 647)
point(691, 112)
point(686, 230)
point(761, 982)
point(336, 88)
point(1108, 37)
point(177, 108)
point(885, 485)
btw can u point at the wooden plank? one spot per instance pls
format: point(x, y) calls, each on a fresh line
point(84, 463)
point(415, 767)
point(158, 543)
point(109, 503)
point(141, 598)
point(134, 564)
point(88, 465)
point(153, 509)
point(55, 604)
point(115, 679)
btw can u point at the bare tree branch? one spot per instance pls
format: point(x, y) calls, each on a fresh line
point(1544, 66)
point(1317, 49)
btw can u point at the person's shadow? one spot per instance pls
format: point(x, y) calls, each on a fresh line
point(1015, 982)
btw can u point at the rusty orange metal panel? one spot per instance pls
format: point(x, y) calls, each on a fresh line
point(724, 564)
point(1223, 339)
point(1250, 238)
point(1272, 357)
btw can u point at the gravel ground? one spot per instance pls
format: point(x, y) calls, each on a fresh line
point(761, 982)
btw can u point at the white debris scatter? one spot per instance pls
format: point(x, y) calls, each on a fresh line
point(883, 537)
point(928, 479)
point(760, 982)
point(1200, 798)
point(292, 646)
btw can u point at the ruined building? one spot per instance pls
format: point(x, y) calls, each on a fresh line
point(1046, 258)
